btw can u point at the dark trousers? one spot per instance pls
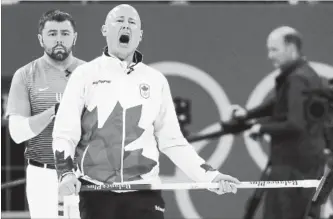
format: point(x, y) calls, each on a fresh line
point(128, 205)
point(290, 203)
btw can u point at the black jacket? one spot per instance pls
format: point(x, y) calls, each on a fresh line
point(296, 140)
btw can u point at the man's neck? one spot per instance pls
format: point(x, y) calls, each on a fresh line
point(61, 65)
point(295, 61)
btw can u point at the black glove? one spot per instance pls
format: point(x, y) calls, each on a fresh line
point(235, 126)
point(56, 107)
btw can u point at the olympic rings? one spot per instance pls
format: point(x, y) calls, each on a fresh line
point(224, 146)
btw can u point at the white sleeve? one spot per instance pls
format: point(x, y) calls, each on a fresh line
point(19, 129)
point(172, 143)
point(67, 125)
point(188, 160)
point(166, 125)
point(23, 126)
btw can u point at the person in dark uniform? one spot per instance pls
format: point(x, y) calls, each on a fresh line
point(297, 142)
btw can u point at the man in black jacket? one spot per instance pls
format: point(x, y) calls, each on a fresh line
point(297, 141)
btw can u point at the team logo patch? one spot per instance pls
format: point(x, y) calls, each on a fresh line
point(101, 82)
point(145, 90)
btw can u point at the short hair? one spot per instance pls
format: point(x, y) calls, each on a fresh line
point(294, 38)
point(55, 15)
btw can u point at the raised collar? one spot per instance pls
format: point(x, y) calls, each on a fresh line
point(137, 57)
point(290, 68)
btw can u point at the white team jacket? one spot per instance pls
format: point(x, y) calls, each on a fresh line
point(116, 119)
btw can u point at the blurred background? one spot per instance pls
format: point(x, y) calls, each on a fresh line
point(213, 53)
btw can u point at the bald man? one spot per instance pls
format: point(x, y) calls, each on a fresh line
point(297, 142)
point(116, 115)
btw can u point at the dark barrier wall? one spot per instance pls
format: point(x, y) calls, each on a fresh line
point(226, 42)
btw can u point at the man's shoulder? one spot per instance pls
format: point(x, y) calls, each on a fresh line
point(28, 69)
point(86, 68)
point(306, 72)
point(154, 73)
point(90, 64)
point(79, 62)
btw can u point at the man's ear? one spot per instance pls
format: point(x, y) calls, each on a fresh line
point(75, 38)
point(141, 35)
point(292, 49)
point(40, 39)
point(104, 30)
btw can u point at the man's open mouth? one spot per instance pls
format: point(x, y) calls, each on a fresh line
point(124, 39)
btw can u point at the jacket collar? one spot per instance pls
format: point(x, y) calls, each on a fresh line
point(137, 57)
point(290, 68)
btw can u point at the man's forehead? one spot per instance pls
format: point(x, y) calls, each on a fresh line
point(274, 38)
point(275, 41)
point(56, 25)
point(123, 11)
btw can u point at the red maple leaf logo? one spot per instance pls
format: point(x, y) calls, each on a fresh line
point(207, 167)
point(144, 88)
point(63, 164)
point(102, 160)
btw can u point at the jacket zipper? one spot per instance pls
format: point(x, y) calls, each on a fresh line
point(83, 156)
point(123, 148)
point(123, 142)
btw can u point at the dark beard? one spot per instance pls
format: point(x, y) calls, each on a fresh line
point(59, 55)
